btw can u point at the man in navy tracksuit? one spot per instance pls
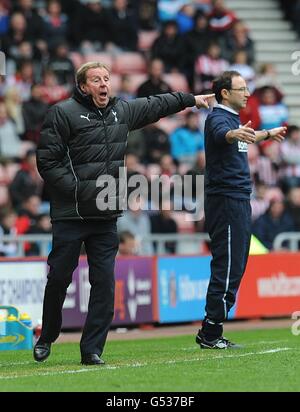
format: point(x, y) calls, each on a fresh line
point(227, 201)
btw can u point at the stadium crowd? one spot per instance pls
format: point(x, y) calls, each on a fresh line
point(152, 46)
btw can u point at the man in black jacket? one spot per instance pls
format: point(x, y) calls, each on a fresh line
point(84, 139)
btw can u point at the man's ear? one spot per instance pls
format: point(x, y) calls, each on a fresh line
point(224, 93)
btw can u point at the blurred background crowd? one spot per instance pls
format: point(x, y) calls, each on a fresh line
point(151, 46)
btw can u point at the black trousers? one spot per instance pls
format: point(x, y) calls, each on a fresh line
point(101, 244)
point(228, 222)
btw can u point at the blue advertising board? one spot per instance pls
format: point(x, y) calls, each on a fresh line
point(182, 287)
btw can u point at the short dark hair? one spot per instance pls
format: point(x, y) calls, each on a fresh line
point(124, 235)
point(224, 81)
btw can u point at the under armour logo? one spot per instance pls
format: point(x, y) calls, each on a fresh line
point(85, 117)
point(115, 114)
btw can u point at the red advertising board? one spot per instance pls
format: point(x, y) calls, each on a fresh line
point(270, 287)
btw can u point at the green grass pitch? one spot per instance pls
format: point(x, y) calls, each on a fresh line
point(268, 362)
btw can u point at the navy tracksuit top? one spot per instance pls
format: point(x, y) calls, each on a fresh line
point(227, 170)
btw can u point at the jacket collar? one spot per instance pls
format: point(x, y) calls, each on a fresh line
point(87, 100)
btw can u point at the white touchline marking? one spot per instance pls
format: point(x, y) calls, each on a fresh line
point(3, 365)
point(262, 342)
point(134, 365)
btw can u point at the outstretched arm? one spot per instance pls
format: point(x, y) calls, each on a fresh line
point(146, 110)
point(277, 134)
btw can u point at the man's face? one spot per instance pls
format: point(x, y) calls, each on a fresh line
point(239, 94)
point(98, 86)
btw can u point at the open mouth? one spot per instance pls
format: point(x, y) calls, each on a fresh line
point(103, 94)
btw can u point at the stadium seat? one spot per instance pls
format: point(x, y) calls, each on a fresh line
point(77, 59)
point(136, 80)
point(129, 63)
point(115, 80)
point(177, 82)
point(11, 171)
point(169, 124)
point(101, 57)
point(146, 39)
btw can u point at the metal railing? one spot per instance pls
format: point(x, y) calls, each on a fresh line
point(184, 243)
point(41, 240)
point(291, 238)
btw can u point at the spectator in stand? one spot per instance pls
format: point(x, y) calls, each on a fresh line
point(34, 24)
point(11, 146)
point(27, 181)
point(34, 112)
point(155, 83)
point(237, 40)
point(290, 156)
point(276, 220)
point(4, 19)
point(240, 64)
point(147, 14)
point(16, 34)
point(293, 205)
point(51, 91)
point(23, 79)
point(124, 34)
point(187, 140)
point(168, 9)
point(208, 66)
point(251, 112)
point(128, 245)
point(220, 19)
point(125, 90)
point(198, 169)
point(62, 65)
point(163, 223)
point(8, 220)
point(13, 104)
point(273, 113)
point(195, 44)
point(55, 24)
point(42, 226)
point(157, 143)
point(28, 214)
point(137, 221)
point(169, 47)
point(90, 28)
point(267, 76)
point(185, 18)
point(261, 167)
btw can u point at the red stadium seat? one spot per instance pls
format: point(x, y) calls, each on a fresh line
point(129, 63)
point(100, 57)
point(146, 39)
point(136, 80)
point(177, 82)
point(115, 80)
point(169, 124)
point(77, 59)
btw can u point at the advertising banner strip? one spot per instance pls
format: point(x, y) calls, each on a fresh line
point(133, 293)
point(270, 287)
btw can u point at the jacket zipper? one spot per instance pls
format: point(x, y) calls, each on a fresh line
point(76, 187)
point(106, 141)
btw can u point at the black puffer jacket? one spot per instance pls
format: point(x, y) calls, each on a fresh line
point(79, 144)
